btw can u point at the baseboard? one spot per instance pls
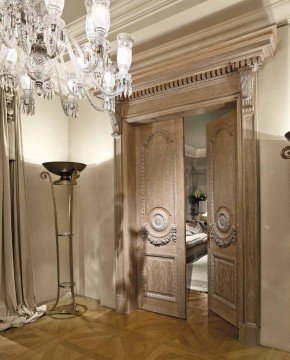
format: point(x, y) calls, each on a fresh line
point(124, 305)
point(121, 304)
point(249, 334)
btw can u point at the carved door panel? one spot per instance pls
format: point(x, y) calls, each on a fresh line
point(160, 217)
point(222, 214)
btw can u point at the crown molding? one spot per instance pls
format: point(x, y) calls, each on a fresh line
point(275, 13)
point(152, 47)
point(124, 13)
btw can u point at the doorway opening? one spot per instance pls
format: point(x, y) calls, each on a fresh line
point(197, 228)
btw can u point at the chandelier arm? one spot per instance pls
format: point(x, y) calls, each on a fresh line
point(75, 43)
point(65, 75)
point(58, 78)
point(63, 68)
point(96, 107)
point(72, 54)
point(70, 39)
point(61, 95)
point(102, 90)
point(4, 53)
point(74, 61)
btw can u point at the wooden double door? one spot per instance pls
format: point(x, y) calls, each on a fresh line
point(161, 251)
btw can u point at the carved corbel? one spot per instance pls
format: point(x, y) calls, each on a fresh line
point(248, 87)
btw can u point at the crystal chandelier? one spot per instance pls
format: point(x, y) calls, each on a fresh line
point(35, 44)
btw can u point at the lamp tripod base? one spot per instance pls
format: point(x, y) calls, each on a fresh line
point(67, 309)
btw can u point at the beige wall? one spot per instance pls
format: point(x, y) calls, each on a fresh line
point(50, 136)
point(45, 138)
point(91, 142)
point(274, 122)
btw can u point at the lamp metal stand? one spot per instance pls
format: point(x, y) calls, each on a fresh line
point(286, 151)
point(72, 308)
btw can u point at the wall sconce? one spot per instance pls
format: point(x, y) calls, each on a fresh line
point(286, 151)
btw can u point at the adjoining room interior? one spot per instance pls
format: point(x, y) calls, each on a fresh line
point(196, 199)
point(143, 167)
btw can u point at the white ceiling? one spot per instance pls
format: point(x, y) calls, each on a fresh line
point(161, 27)
point(73, 10)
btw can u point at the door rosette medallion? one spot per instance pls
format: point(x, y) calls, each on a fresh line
point(158, 231)
point(223, 219)
point(222, 232)
point(159, 219)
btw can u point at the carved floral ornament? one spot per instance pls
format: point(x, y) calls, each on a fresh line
point(247, 78)
point(222, 230)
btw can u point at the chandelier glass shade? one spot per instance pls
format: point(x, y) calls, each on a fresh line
point(34, 44)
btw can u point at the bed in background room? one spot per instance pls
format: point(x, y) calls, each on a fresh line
point(196, 256)
point(196, 240)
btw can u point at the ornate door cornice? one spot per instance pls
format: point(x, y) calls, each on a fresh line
point(206, 63)
point(227, 67)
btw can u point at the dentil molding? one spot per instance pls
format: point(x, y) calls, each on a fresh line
point(248, 51)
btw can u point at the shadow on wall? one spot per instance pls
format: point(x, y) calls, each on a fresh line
point(41, 220)
point(275, 244)
point(94, 233)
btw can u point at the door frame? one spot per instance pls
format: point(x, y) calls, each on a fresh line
point(192, 83)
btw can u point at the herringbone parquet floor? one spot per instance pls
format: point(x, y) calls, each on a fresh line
point(101, 333)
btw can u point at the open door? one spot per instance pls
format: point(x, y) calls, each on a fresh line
point(222, 214)
point(160, 217)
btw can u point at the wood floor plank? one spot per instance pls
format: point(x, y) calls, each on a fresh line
point(13, 351)
point(101, 333)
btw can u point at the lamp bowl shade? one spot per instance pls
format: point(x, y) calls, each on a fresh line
point(64, 169)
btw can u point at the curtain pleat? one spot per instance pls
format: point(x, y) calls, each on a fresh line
point(17, 294)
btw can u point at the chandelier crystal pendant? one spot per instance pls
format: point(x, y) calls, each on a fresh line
point(34, 41)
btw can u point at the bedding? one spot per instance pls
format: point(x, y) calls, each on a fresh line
point(195, 252)
point(196, 241)
point(193, 229)
point(193, 240)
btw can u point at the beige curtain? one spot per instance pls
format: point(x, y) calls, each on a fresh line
point(17, 295)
